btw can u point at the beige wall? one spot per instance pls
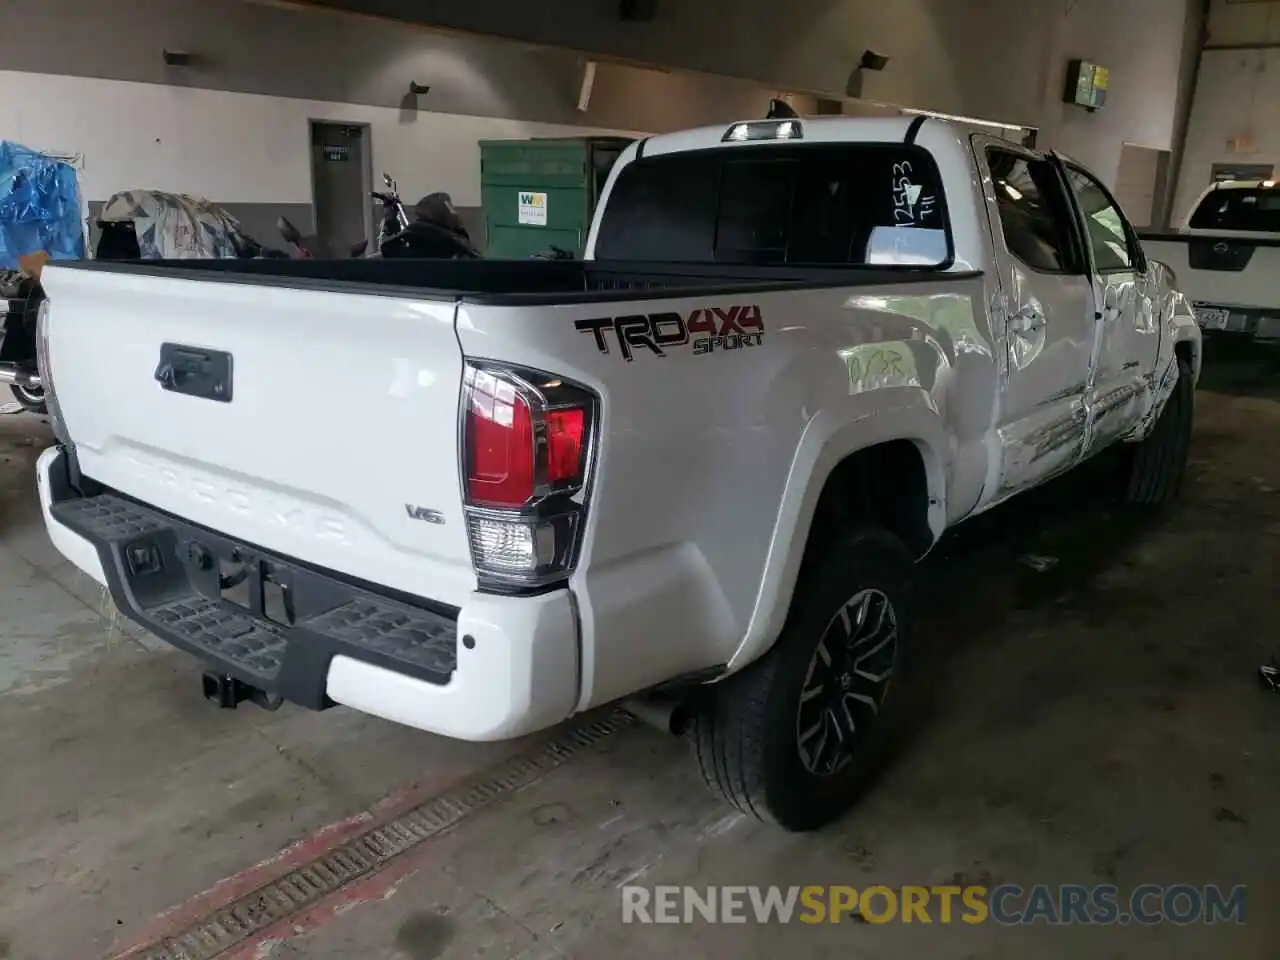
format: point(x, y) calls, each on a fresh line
point(1235, 115)
point(1244, 21)
point(995, 59)
point(1142, 43)
point(303, 54)
point(87, 77)
point(1137, 183)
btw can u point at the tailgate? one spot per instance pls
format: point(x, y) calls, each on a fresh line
point(339, 438)
point(1225, 270)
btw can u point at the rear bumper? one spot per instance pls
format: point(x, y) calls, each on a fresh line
point(497, 668)
point(1255, 323)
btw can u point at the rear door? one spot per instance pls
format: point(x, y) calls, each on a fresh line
point(1048, 306)
point(319, 425)
point(1128, 336)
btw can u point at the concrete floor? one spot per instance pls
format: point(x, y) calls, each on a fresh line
point(1097, 722)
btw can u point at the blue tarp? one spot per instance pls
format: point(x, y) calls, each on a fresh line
point(39, 206)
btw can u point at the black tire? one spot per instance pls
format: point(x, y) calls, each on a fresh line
point(1155, 465)
point(31, 398)
point(747, 731)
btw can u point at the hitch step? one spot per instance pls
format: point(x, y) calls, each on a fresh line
point(228, 692)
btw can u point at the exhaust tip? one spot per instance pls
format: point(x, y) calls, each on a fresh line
point(665, 714)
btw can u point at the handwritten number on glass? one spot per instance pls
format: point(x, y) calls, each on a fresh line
point(910, 205)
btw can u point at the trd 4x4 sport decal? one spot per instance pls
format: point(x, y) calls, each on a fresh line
point(709, 329)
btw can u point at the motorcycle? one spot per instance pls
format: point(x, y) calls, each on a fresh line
point(434, 232)
point(394, 219)
point(20, 295)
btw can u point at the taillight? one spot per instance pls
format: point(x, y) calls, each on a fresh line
point(566, 443)
point(500, 444)
point(527, 440)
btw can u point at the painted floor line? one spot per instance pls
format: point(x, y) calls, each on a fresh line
point(352, 861)
point(327, 838)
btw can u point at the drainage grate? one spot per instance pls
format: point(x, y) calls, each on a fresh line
point(371, 851)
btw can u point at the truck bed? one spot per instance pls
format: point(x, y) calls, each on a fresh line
point(518, 282)
point(312, 412)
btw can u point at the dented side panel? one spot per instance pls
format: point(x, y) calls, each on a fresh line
point(721, 419)
point(1175, 319)
point(1049, 336)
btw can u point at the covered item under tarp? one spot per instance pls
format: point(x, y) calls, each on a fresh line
point(173, 226)
point(39, 207)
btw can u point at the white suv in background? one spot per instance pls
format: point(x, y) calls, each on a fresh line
point(1227, 258)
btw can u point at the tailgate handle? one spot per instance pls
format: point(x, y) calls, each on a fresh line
point(195, 372)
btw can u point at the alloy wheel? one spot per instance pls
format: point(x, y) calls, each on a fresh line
point(846, 683)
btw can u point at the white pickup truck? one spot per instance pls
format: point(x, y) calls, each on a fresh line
point(695, 469)
point(1227, 258)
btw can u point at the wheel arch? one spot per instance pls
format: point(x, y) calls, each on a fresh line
point(1184, 337)
point(834, 452)
point(1187, 346)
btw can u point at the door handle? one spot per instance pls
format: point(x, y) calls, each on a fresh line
point(1027, 320)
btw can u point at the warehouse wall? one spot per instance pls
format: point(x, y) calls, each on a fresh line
point(1137, 183)
point(247, 151)
point(233, 126)
point(1244, 22)
point(249, 47)
point(997, 59)
point(1142, 44)
point(1235, 116)
point(87, 77)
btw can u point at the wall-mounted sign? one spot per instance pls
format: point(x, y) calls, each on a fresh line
point(1242, 171)
point(1087, 84)
point(337, 153)
point(533, 209)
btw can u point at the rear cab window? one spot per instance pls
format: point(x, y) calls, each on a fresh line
point(819, 205)
point(1253, 209)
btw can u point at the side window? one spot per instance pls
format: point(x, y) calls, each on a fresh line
point(1104, 224)
point(1033, 213)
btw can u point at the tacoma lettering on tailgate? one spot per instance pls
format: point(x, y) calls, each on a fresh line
point(300, 520)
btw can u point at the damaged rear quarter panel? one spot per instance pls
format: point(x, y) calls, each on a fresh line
point(712, 454)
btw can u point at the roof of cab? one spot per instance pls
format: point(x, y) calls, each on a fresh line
point(816, 129)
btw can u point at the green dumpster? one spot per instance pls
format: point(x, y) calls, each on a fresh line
point(535, 194)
